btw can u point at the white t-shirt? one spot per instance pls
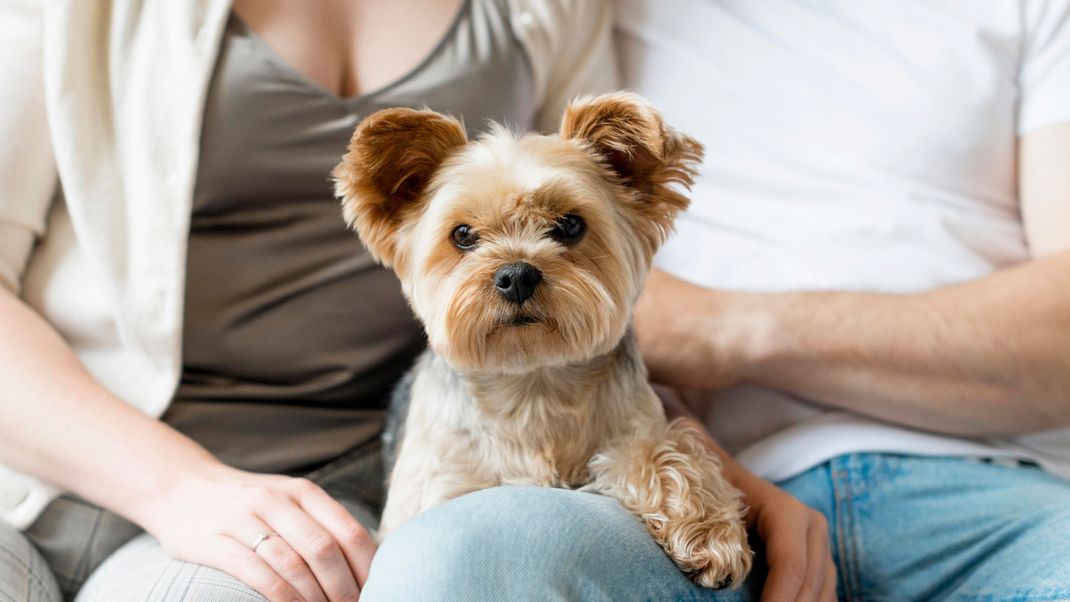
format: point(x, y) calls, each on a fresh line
point(850, 145)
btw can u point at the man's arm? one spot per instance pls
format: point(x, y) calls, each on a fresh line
point(987, 357)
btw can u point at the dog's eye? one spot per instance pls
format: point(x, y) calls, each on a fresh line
point(464, 237)
point(569, 229)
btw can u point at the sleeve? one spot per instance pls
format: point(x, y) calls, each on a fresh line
point(570, 48)
point(27, 169)
point(1044, 71)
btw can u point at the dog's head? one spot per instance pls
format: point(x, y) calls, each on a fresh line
point(518, 252)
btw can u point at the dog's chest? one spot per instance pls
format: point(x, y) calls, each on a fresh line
point(542, 442)
point(540, 429)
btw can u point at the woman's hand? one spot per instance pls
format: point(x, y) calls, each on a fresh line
point(316, 551)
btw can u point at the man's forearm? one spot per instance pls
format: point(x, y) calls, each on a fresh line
point(989, 357)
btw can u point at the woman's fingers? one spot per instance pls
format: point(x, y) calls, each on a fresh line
point(315, 551)
point(356, 543)
point(319, 549)
point(235, 558)
point(289, 565)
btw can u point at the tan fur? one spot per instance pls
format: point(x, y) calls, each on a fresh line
point(564, 401)
point(631, 138)
point(663, 479)
point(389, 173)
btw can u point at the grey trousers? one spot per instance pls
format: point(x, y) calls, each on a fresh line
point(78, 551)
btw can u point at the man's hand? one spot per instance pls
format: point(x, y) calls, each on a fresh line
point(794, 536)
point(796, 540)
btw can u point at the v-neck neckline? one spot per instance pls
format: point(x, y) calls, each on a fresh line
point(358, 98)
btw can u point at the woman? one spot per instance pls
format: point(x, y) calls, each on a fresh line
point(185, 317)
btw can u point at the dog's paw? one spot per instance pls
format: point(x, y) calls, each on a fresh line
point(718, 559)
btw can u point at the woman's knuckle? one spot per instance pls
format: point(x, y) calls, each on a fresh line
point(322, 547)
point(353, 534)
point(278, 589)
point(290, 563)
point(303, 486)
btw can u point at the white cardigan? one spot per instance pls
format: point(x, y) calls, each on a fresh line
point(105, 99)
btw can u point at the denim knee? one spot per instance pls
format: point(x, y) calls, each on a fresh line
point(526, 543)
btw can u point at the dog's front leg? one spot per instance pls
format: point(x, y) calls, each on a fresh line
point(670, 481)
point(427, 475)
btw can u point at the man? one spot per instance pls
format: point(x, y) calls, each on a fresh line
point(869, 300)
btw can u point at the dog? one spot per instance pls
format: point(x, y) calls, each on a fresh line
point(523, 257)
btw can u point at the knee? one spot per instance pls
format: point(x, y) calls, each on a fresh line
point(141, 570)
point(211, 585)
point(516, 543)
point(485, 544)
point(27, 576)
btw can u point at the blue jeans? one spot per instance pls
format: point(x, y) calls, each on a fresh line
point(902, 528)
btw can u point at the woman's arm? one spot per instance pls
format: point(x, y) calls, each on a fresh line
point(62, 426)
point(57, 423)
point(988, 357)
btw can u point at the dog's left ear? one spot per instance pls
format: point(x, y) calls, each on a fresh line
point(383, 178)
point(632, 139)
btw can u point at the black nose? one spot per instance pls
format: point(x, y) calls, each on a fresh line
point(517, 281)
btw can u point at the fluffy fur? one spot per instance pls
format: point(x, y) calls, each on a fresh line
point(551, 391)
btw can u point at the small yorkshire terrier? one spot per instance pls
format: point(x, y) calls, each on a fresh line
point(523, 257)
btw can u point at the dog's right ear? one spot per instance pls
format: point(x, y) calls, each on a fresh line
point(383, 177)
point(630, 137)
